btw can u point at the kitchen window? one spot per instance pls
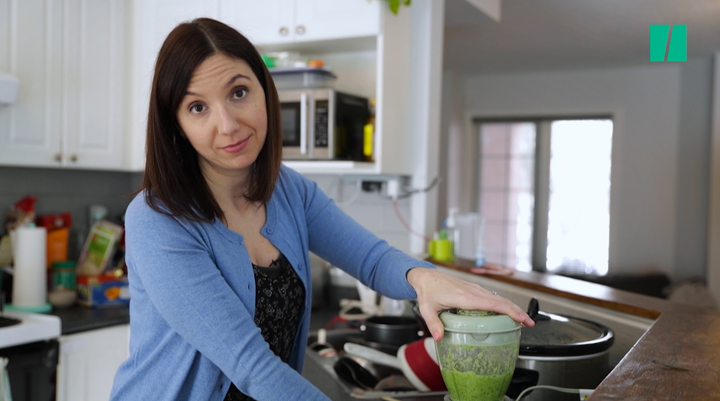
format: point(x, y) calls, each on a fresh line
point(544, 192)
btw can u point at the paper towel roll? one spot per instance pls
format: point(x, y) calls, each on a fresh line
point(29, 276)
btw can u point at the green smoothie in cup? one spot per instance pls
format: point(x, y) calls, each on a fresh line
point(477, 355)
point(469, 386)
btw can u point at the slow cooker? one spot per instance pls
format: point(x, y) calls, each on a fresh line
point(566, 351)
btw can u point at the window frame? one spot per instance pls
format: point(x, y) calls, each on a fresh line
point(541, 174)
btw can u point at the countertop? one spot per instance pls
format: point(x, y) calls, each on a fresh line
point(678, 357)
point(77, 318)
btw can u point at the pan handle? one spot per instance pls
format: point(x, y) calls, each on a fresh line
point(372, 355)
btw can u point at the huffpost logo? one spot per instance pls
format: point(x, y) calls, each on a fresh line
point(676, 46)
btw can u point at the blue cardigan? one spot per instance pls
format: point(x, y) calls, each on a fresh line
point(192, 293)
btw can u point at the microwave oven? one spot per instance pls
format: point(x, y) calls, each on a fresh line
point(322, 124)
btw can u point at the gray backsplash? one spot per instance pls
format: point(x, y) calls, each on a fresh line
point(66, 190)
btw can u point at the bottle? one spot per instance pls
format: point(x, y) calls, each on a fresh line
point(452, 232)
point(480, 246)
point(369, 134)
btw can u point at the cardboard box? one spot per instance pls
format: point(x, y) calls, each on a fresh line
point(101, 291)
point(99, 248)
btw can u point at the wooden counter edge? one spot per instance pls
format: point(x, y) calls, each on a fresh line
point(678, 357)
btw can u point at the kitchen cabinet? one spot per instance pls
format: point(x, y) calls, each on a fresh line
point(70, 58)
point(88, 362)
point(287, 21)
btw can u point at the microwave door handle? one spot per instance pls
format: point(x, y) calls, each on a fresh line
point(303, 123)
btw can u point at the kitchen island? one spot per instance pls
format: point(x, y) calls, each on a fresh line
point(677, 358)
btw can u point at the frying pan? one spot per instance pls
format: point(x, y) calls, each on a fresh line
point(359, 371)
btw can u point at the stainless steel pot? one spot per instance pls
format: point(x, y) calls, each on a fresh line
point(566, 352)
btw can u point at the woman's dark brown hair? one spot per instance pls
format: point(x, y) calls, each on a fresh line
point(173, 181)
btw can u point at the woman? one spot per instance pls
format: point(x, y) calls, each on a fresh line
point(217, 242)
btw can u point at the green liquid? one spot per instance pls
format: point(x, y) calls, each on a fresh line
point(467, 386)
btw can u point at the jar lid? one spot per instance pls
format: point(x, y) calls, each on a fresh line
point(476, 321)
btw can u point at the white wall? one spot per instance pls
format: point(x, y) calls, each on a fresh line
point(661, 117)
point(369, 209)
point(693, 188)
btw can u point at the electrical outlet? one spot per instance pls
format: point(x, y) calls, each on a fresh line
point(393, 188)
point(372, 186)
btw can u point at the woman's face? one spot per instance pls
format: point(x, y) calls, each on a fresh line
point(223, 115)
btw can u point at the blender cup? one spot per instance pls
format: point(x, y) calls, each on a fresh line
point(477, 354)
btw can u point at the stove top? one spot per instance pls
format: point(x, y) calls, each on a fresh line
point(32, 327)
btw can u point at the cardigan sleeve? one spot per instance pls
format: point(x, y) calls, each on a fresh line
point(174, 265)
point(340, 240)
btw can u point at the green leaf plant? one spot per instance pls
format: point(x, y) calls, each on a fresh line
point(395, 5)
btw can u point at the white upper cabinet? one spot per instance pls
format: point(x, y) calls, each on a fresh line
point(69, 57)
point(288, 21)
point(94, 59)
point(85, 69)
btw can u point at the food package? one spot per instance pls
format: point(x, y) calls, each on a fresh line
point(99, 248)
point(101, 291)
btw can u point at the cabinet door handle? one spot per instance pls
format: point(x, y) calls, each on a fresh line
point(300, 29)
point(283, 31)
point(58, 157)
point(73, 158)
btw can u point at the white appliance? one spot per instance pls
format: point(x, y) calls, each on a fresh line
point(8, 89)
point(32, 327)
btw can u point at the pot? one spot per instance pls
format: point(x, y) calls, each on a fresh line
point(416, 360)
point(391, 330)
point(566, 352)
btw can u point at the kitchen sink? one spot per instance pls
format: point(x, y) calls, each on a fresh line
point(337, 339)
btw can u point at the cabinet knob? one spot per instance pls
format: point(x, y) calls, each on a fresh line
point(283, 31)
point(300, 29)
point(57, 157)
point(73, 158)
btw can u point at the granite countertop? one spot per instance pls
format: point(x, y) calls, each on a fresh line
point(77, 318)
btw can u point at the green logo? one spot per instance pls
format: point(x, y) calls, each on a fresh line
point(676, 51)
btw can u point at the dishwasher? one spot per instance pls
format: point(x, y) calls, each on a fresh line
point(28, 371)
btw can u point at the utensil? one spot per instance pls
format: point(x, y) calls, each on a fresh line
point(416, 360)
point(350, 370)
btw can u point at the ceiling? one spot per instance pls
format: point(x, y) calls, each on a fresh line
point(544, 35)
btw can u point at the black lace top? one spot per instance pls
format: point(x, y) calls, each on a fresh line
point(279, 305)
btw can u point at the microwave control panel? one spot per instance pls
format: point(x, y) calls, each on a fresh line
point(322, 119)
